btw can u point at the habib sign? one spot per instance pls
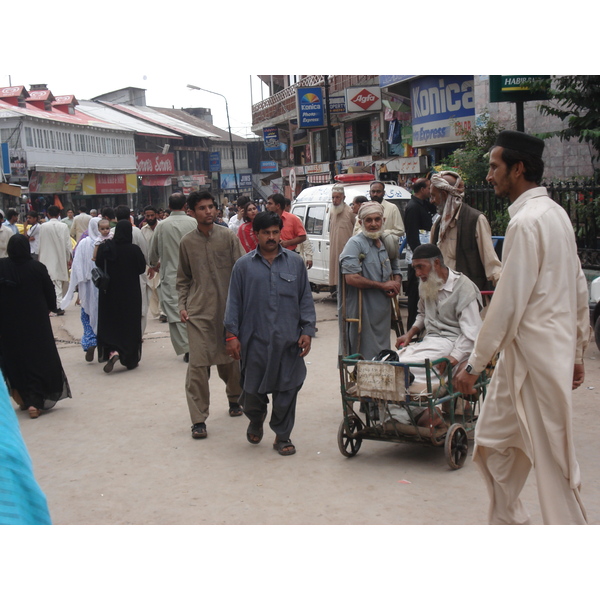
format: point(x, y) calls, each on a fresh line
point(361, 99)
point(153, 163)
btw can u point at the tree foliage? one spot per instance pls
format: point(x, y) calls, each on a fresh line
point(575, 99)
point(471, 160)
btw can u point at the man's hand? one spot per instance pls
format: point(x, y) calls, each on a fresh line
point(441, 367)
point(391, 288)
point(184, 316)
point(304, 342)
point(151, 273)
point(464, 382)
point(309, 264)
point(233, 348)
point(578, 375)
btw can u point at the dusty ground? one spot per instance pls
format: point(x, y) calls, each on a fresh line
point(120, 451)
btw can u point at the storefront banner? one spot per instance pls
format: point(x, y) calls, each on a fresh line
point(228, 181)
point(443, 109)
point(18, 163)
point(52, 183)
point(153, 163)
point(110, 184)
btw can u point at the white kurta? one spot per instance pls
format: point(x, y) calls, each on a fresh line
point(5, 235)
point(55, 249)
point(539, 321)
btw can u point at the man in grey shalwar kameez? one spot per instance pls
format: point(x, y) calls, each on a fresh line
point(367, 268)
point(270, 320)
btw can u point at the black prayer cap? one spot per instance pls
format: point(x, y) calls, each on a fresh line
point(426, 251)
point(521, 142)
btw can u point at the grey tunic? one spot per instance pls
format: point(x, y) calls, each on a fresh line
point(361, 256)
point(269, 307)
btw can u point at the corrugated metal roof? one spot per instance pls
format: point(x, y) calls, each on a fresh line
point(162, 120)
point(106, 113)
point(58, 116)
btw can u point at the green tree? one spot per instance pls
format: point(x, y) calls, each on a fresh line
point(576, 100)
point(471, 161)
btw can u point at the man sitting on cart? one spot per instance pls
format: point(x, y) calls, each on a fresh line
point(449, 305)
point(371, 277)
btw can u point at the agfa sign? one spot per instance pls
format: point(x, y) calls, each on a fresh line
point(361, 99)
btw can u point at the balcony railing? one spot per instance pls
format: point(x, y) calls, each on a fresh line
point(285, 101)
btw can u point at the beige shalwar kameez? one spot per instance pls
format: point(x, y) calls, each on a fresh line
point(164, 250)
point(538, 320)
point(55, 253)
point(341, 229)
point(205, 265)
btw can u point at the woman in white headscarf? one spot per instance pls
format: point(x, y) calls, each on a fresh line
point(81, 280)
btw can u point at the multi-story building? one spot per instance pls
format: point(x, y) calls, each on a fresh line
point(394, 126)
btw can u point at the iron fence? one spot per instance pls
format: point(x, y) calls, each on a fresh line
point(581, 201)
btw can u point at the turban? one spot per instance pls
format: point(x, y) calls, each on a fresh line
point(367, 208)
point(454, 200)
point(426, 251)
point(520, 142)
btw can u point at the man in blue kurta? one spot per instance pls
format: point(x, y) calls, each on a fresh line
point(371, 278)
point(270, 320)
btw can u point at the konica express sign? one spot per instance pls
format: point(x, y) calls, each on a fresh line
point(310, 107)
point(443, 109)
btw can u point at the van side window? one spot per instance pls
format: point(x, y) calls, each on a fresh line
point(300, 212)
point(315, 219)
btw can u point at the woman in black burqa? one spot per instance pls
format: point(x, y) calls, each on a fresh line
point(120, 306)
point(28, 354)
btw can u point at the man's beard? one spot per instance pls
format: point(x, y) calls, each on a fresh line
point(337, 209)
point(428, 290)
point(440, 207)
point(374, 235)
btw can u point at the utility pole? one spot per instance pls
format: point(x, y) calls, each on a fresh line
point(330, 133)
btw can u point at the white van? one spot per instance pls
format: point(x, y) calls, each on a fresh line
point(313, 207)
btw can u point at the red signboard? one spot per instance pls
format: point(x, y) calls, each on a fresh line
point(111, 184)
point(153, 163)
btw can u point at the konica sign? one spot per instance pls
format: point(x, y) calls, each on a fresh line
point(443, 109)
point(311, 108)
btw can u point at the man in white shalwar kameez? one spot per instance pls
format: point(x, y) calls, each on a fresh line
point(55, 252)
point(539, 322)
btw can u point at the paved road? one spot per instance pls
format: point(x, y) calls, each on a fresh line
point(120, 451)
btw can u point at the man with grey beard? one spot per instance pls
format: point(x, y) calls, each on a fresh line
point(341, 226)
point(370, 278)
point(449, 306)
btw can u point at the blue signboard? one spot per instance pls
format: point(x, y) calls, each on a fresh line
point(387, 80)
point(228, 181)
point(443, 109)
point(271, 138)
point(311, 107)
point(5, 159)
point(214, 162)
point(269, 166)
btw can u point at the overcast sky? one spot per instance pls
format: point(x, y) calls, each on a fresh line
point(162, 47)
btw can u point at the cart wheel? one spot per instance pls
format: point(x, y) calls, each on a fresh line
point(456, 446)
point(349, 446)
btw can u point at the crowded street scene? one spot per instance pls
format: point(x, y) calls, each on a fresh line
point(380, 306)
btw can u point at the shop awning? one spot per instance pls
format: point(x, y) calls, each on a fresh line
point(156, 180)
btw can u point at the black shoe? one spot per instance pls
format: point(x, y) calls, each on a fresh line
point(162, 318)
point(89, 353)
point(186, 357)
point(108, 367)
point(199, 431)
point(60, 312)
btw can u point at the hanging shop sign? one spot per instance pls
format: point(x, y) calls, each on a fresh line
point(310, 107)
point(271, 138)
point(214, 162)
point(228, 181)
point(337, 105)
point(361, 99)
point(269, 166)
point(443, 109)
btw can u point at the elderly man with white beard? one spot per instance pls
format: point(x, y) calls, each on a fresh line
point(341, 226)
point(449, 306)
point(370, 272)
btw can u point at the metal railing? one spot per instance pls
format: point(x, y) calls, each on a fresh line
point(580, 199)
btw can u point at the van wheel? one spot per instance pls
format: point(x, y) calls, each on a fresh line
point(597, 332)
